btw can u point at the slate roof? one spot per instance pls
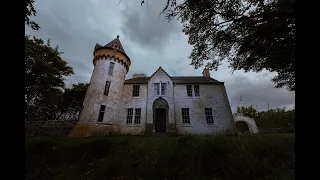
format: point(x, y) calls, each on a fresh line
point(177, 80)
point(109, 45)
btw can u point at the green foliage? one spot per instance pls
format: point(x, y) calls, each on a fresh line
point(44, 82)
point(190, 157)
point(30, 11)
point(73, 98)
point(251, 34)
point(272, 118)
point(249, 111)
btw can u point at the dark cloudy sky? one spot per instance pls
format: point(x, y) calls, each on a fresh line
point(149, 41)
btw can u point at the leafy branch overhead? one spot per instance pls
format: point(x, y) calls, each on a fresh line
point(30, 11)
point(251, 34)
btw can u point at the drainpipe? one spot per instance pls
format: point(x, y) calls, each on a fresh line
point(146, 119)
point(174, 107)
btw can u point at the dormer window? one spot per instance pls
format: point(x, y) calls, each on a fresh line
point(115, 46)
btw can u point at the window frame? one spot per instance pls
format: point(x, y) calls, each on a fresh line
point(107, 88)
point(111, 68)
point(209, 116)
point(101, 113)
point(136, 92)
point(185, 113)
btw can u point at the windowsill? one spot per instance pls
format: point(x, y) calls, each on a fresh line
point(211, 125)
point(133, 125)
point(185, 125)
point(136, 97)
point(192, 97)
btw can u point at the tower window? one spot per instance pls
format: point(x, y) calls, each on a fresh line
point(189, 90)
point(107, 87)
point(137, 116)
point(209, 116)
point(129, 115)
point(111, 67)
point(185, 116)
point(101, 113)
point(136, 89)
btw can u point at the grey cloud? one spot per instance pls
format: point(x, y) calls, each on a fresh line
point(258, 93)
point(145, 27)
point(149, 41)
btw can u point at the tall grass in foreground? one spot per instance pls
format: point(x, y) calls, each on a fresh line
point(188, 157)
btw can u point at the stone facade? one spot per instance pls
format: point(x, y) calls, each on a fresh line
point(157, 111)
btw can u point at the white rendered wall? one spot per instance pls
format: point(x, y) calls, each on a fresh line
point(128, 101)
point(211, 96)
point(160, 76)
point(95, 98)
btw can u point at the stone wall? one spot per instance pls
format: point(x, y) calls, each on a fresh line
point(50, 128)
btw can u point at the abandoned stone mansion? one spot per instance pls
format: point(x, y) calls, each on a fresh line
point(159, 103)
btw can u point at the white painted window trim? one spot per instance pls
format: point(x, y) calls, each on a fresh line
point(139, 91)
point(193, 92)
point(133, 115)
point(159, 95)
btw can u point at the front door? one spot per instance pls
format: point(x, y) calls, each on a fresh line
point(160, 120)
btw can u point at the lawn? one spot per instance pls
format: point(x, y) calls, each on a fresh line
point(243, 157)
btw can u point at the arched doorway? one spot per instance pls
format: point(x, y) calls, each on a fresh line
point(252, 126)
point(160, 115)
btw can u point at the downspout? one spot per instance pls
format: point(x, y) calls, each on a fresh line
point(174, 108)
point(147, 101)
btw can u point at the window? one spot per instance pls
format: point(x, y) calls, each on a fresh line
point(111, 67)
point(185, 116)
point(163, 88)
point(106, 89)
point(137, 116)
point(189, 90)
point(156, 88)
point(129, 115)
point(136, 89)
point(196, 90)
point(101, 113)
point(209, 116)
point(160, 88)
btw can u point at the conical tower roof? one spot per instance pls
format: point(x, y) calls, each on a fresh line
point(115, 44)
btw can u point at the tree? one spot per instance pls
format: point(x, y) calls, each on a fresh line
point(44, 78)
point(30, 11)
point(249, 111)
point(251, 34)
point(73, 99)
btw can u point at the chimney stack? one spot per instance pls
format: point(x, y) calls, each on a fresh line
point(206, 72)
point(136, 75)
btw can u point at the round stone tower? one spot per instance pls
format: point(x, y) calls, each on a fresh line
point(102, 101)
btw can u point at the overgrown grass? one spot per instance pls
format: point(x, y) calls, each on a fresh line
point(189, 157)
